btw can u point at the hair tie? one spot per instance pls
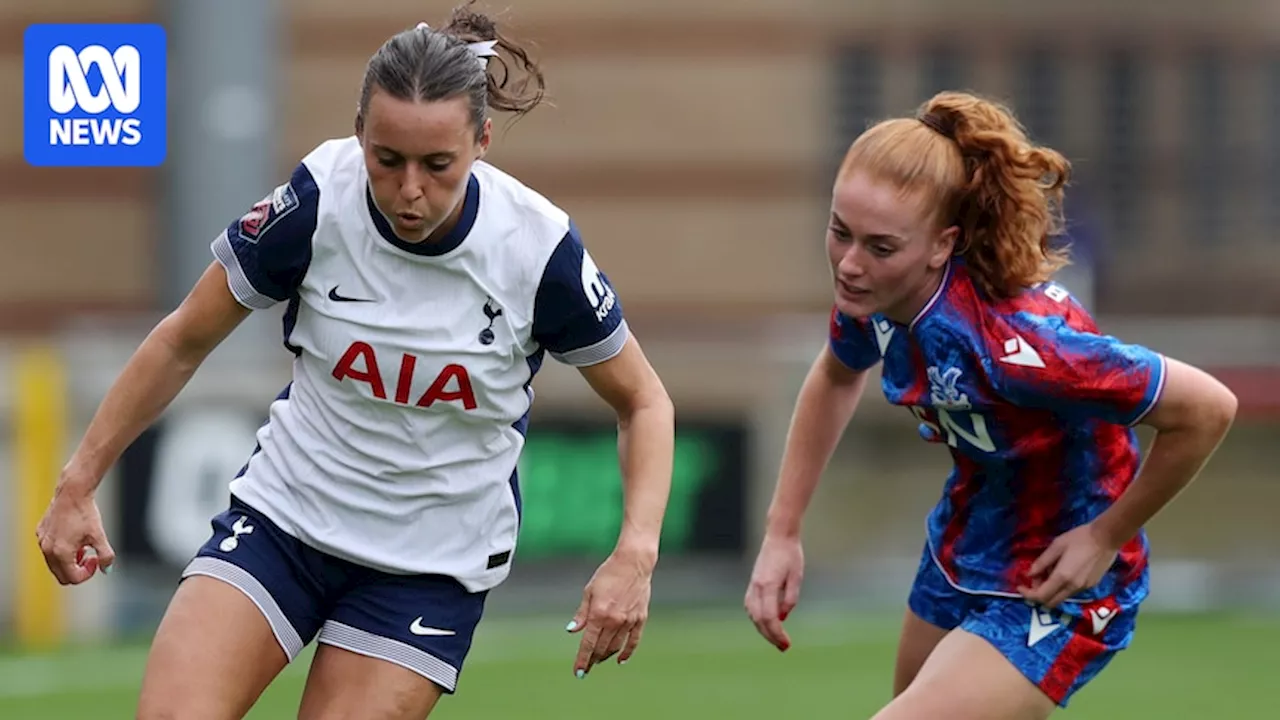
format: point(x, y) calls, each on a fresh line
point(483, 50)
point(935, 123)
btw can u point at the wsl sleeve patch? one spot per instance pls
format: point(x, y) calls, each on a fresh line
point(267, 212)
point(267, 250)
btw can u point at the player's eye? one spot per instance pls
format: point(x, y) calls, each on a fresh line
point(388, 161)
point(881, 250)
point(439, 165)
point(839, 233)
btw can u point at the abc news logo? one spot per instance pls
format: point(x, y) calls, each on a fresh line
point(69, 89)
point(94, 95)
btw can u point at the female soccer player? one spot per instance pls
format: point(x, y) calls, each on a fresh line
point(941, 249)
point(423, 287)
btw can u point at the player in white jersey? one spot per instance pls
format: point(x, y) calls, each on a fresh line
point(423, 287)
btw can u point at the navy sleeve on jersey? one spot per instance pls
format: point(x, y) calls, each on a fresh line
point(576, 315)
point(851, 341)
point(1077, 374)
point(266, 252)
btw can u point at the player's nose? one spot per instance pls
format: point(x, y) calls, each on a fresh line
point(412, 183)
point(852, 263)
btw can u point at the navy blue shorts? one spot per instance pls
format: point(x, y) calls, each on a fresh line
point(421, 622)
point(1059, 651)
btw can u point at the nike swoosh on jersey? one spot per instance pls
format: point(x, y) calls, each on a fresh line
point(334, 296)
point(417, 628)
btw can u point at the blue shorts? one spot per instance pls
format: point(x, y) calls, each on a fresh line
point(421, 622)
point(1059, 651)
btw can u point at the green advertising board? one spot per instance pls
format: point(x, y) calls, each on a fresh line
point(174, 478)
point(572, 491)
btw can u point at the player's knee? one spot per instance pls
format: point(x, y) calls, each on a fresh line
point(163, 698)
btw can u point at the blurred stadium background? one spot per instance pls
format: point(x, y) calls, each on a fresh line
point(694, 143)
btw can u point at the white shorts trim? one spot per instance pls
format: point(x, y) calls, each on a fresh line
point(366, 643)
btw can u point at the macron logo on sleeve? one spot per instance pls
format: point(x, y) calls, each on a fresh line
point(884, 334)
point(1019, 352)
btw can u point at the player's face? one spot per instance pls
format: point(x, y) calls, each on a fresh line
point(886, 249)
point(419, 157)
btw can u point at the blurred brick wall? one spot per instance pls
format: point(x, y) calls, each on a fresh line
point(693, 141)
point(70, 239)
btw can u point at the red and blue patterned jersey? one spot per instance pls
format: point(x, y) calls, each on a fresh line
point(1037, 408)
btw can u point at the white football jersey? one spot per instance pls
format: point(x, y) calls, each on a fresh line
point(395, 445)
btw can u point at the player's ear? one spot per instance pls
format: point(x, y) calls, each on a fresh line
point(944, 246)
point(486, 136)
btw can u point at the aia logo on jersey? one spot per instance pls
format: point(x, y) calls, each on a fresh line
point(360, 364)
point(267, 212)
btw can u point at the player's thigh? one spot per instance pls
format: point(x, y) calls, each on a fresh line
point(213, 655)
point(919, 638)
point(249, 602)
point(934, 608)
point(967, 678)
point(391, 646)
point(349, 686)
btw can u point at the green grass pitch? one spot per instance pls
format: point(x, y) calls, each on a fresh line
point(711, 664)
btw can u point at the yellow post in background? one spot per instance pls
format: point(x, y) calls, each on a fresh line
point(39, 422)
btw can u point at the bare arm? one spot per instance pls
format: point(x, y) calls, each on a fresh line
point(159, 369)
point(615, 604)
point(827, 400)
point(1191, 417)
point(826, 403)
point(646, 444)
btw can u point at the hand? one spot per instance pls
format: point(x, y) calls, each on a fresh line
point(774, 590)
point(71, 524)
point(615, 606)
point(1074, 561)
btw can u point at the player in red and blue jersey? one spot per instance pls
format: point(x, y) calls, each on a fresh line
point(941, 244)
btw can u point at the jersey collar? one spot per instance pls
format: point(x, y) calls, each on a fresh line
point(449, 243)
point(947, 272)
